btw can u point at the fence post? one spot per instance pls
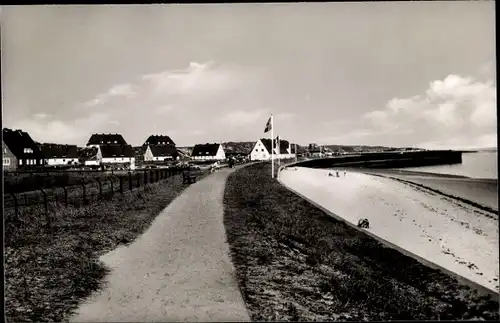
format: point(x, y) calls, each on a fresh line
point(46, 206)
point(130, 181)
point(145, 177)
point(121, 184)
point(15, 203)
point(100, 187)
point(65, 195)
point(83, 186)
point(25, 199)
point(151, 176)
point(112, 188)
point(138, 180)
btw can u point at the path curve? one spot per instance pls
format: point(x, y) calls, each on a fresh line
point(178, 270)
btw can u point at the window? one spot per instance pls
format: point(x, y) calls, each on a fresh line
point(116, 142)
point(262, 150)
point(20, 161)
point(28, 150)
point(6, 161)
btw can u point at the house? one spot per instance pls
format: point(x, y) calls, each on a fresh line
point(20, 145)
point(112, 151)
point(160, 153)
point(208, 152)
point(9, 159)
point(106, 139)
point(159, 148)
point(116, 156)
point(58, 155)
point(155, 140)
point(262, 150)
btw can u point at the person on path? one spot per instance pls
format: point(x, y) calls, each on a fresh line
point(345, 172)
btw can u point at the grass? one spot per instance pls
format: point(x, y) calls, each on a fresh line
point(294, 262)
point(50, 269)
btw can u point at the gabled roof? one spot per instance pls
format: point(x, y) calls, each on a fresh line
point(106, 138)
point(205, 150)
point(159, 140)
point(163, 151)
point(113, 151)
point(17, 141)
point(58, 151)
point(283, 145)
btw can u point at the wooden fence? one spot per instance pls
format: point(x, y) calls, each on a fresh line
point(89, 190)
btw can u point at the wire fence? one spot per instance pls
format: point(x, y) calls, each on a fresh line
point(88, 190)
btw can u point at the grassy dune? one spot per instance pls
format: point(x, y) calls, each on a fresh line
point(49, 269)
point(294, 262)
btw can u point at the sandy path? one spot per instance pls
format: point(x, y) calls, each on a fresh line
point(451, 234)
point(178, 270)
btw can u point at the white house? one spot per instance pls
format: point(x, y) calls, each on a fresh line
point(160, 153)
point(208, 152)
point(59, 155)
point(110, 155)
point(262, 150)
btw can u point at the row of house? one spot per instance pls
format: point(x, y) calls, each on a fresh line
point(112, 151)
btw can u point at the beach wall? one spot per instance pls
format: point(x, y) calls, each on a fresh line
point(387, 160)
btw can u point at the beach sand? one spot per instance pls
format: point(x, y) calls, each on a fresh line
point(445, 231)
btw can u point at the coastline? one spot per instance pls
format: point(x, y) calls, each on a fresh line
point(442, 230)
point(478, 192)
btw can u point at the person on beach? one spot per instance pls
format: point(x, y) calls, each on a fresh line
point(337, 173)
point(345, 172)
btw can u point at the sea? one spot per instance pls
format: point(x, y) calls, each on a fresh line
point(481, 165)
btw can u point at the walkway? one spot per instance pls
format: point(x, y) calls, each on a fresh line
point(178, 270)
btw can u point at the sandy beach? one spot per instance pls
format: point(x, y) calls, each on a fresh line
point(443, 230)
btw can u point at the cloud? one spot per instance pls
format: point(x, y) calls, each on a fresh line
point(114, 122)
point(457, 107)
point(241, 118)
point(59, 131)
point(117, 91)
point(42, 115)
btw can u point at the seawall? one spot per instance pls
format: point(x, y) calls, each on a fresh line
point(387, 160)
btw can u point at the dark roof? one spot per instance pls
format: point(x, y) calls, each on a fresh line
point(162, 151)
point(58, 151)
point(283, 145)
point(17, 141)
point(205, 150)
point(110, 151)
point(106, 138)
point(159, 140)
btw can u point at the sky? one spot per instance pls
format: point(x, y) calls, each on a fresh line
point(401, 74)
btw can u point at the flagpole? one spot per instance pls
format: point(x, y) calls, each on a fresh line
point(272, 146)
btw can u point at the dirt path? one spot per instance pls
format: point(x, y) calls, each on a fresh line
point(178, 270)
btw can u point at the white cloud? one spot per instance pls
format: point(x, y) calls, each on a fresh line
point(241, 118)
point(457, 107)
point(42, 115)
point(59, 131)
point(117, 91)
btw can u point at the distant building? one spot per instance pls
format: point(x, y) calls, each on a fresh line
point(159, 148)
point(160, 153)
point(208, 152)
point(88, 156)
point(9, 159)
point(262, 150)
point(116, 156)
point(106, 139)
point(58, 155)
point(112, 151)
point(19, 150)
point(159, 140)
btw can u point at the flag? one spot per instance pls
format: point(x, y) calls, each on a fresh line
point(269, 125)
